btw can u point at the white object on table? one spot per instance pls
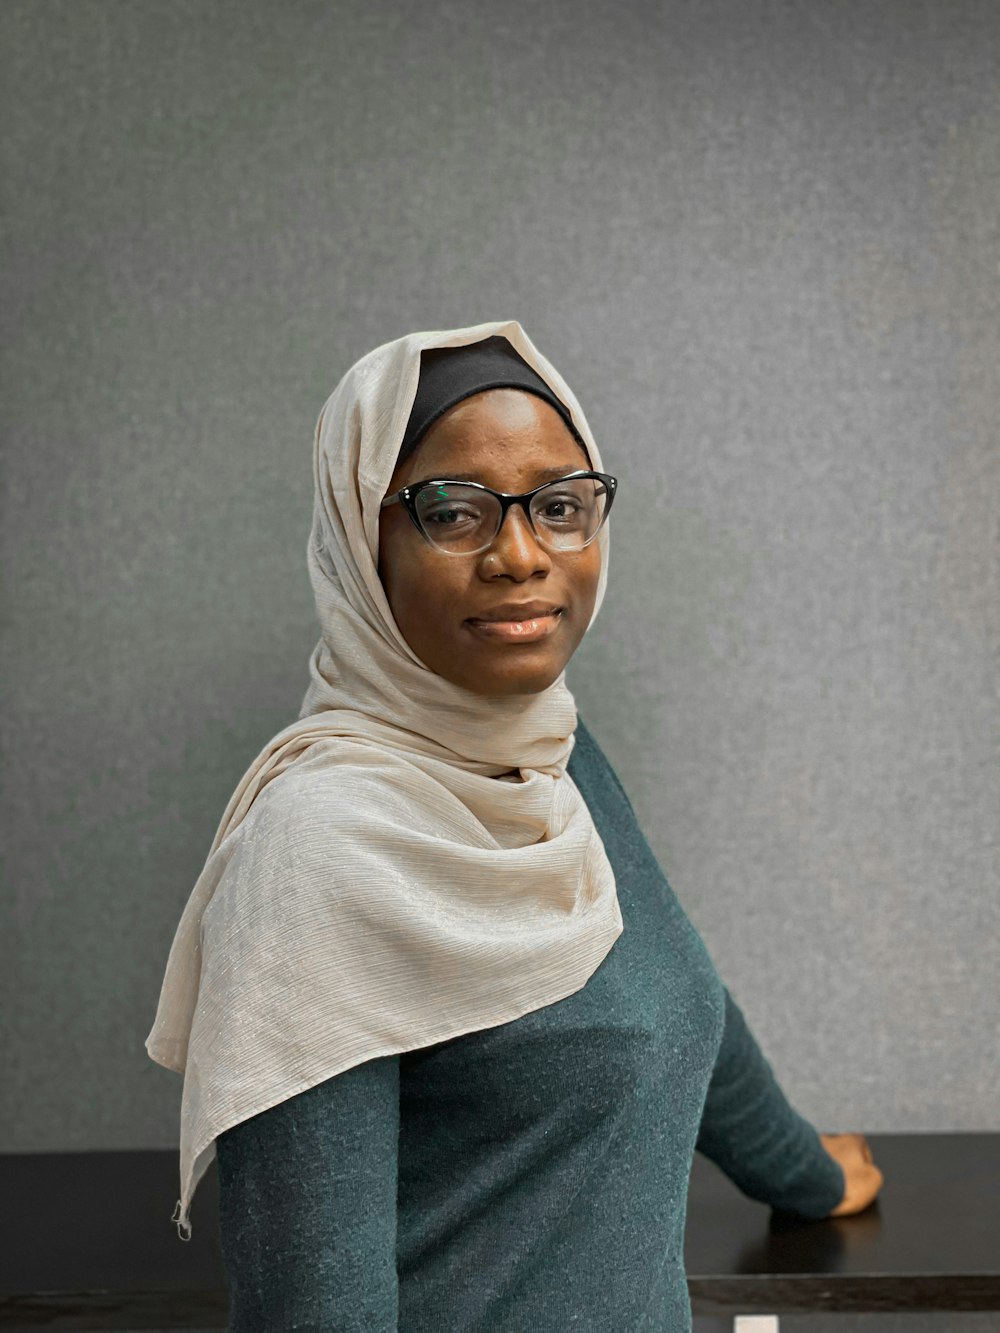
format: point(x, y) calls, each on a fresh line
point(756, 1323)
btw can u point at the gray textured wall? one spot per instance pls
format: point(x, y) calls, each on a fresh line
point(759, 238)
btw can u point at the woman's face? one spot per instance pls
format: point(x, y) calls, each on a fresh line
point(506, 439)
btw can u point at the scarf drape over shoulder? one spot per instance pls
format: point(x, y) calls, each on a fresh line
point(372, 887)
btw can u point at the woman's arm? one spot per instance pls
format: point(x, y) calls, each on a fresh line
point(752, 1132)
point(307, 1207)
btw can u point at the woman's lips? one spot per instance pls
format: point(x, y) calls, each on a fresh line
point(517, 631)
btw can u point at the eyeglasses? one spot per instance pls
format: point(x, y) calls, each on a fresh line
point(464, 517)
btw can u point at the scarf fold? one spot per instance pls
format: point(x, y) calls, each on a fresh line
point(375, 885)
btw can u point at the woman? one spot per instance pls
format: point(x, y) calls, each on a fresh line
point(441, 1018)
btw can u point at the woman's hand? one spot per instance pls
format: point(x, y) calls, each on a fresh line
point(862, 1178)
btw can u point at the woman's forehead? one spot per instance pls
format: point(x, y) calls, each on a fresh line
point(501, 421)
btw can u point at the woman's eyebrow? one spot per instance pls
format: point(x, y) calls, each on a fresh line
point(545, 472)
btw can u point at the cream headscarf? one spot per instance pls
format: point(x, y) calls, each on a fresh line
point(371, 889)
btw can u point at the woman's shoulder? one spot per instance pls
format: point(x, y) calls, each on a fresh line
point(589, 765)
point(585, 742)
point(587, 757)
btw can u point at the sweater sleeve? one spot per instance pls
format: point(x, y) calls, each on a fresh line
point(751, 1131)
point(307, 1207)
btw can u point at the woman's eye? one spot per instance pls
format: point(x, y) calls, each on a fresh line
point(436, 513)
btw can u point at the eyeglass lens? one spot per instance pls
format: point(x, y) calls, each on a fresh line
point(464, 520)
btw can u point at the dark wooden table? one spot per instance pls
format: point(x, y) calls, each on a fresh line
point(86, 1242)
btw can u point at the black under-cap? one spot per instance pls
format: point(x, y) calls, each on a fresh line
point(449, 374)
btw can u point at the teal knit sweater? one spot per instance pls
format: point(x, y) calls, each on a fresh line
point(531, 1176)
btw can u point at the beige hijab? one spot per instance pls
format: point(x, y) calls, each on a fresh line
point(370, 889)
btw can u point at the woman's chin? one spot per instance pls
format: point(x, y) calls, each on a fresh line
point(501, 684)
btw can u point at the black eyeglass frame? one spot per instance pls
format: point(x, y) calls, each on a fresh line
point(407, 496)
